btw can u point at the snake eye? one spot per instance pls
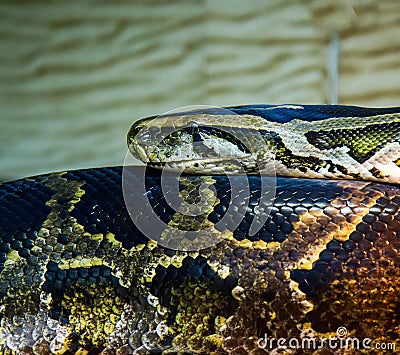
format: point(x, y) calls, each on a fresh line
point(195, 127)
point(195, 132)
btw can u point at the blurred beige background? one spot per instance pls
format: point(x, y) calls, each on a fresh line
point(75, 74)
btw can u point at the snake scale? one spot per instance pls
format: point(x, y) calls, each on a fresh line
point(78, 275)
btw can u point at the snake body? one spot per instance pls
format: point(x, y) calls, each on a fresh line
point(78, 276)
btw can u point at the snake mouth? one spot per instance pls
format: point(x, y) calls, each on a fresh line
point(221, 166)
point(200, 152)
point(194, 146)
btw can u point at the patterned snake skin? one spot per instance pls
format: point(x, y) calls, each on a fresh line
point(78, 276)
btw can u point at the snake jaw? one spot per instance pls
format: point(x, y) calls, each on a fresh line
point(194, 151)
point(206, 166)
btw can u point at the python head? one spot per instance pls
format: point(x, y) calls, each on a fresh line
point(203, 141)
point(218, 141)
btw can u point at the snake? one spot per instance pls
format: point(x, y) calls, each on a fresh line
point(314, 268)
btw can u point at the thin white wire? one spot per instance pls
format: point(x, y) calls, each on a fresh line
point(333, 67)
point(334, 55)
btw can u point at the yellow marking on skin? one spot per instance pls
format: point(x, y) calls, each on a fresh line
point(78, 194)
point(94, 322)
point(177, 260)
point(219, 321)
point(344, 218)
point(300, 297)
point(12, 258)
point(151, 244)
point(183, 221)
point(256, 245)
point(262, 245)
point(245, 243)
point(164, 261)
point(193, 254)
point(237, 292)
point(97, 237)
point(84, 262)
point(223, 271)
point(140, 247)
point(50, 227)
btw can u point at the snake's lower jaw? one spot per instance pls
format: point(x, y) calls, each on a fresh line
point(222, 166)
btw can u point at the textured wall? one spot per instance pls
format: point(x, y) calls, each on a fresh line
point(74, 75)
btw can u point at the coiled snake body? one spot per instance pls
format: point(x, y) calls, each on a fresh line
point(78, 276)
